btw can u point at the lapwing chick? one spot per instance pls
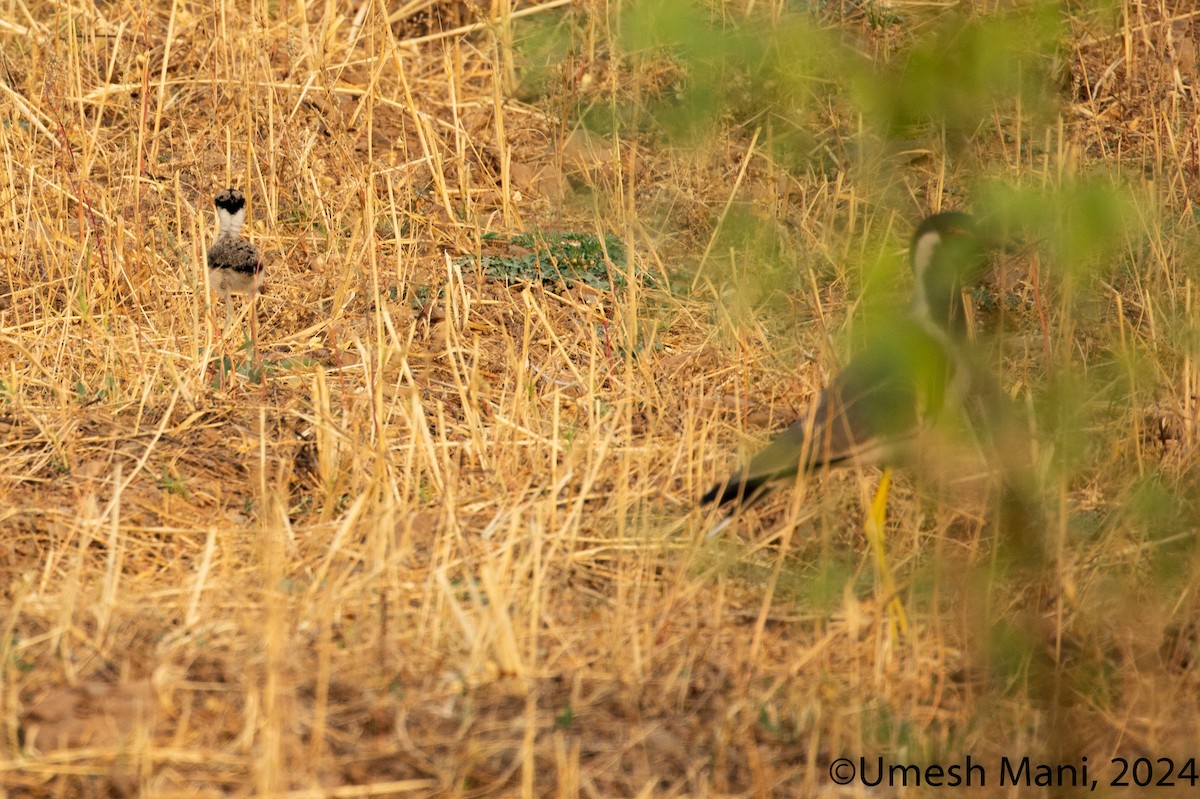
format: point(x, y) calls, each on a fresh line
point(878, 403)
point(234, 264)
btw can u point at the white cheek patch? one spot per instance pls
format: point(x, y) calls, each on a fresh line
point(230, 224)
point(922, 256)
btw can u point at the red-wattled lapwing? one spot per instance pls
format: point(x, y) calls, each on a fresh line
point(877, 404)
point(234, 264)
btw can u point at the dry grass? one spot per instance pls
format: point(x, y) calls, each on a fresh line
point(448, 549)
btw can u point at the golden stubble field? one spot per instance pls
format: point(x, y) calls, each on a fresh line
point(443, 541)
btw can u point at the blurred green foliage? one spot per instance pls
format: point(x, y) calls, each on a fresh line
point(956, 105)
point(834, 100)
point(1083, 223)
point(948, 77)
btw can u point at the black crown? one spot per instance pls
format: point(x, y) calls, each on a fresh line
point(231, 200)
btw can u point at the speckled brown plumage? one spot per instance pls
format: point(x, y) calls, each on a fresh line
point(234, 264)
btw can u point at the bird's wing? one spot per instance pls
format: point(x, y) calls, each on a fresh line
point(236, 254)
point(863, 416)
point(855, 419)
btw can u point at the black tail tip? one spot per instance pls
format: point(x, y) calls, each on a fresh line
point(732, 490)
point(712, 494)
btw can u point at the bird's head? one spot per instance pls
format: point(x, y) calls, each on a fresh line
point(946, 255)
point(230, 200)
point(231, 211)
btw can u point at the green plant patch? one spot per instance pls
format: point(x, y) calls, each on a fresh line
point(173, 484)
point(562, 259)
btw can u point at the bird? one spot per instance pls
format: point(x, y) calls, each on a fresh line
point(876, 405)
point(234, 264)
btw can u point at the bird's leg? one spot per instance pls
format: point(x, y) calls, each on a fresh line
point(253, 327)
point(222, 366)
point(225, 301)
point(874, 528)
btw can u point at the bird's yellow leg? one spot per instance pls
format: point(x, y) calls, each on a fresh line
point(874, 528)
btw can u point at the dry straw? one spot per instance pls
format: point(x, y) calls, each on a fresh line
point(435, 547)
